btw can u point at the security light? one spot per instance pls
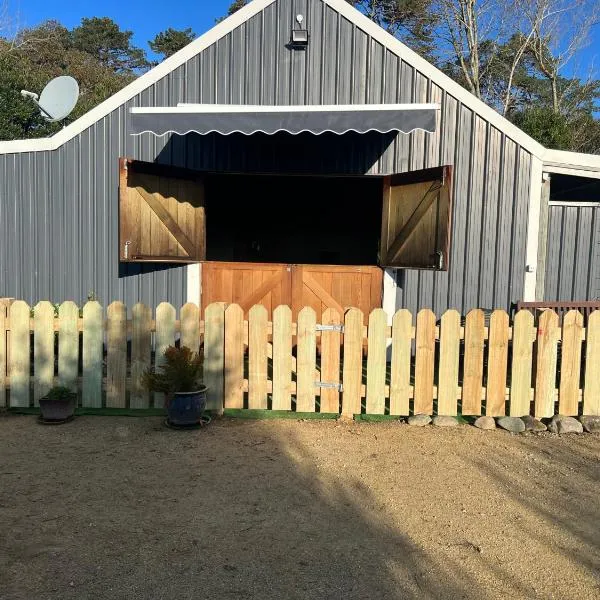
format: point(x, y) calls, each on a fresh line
point(300, 37)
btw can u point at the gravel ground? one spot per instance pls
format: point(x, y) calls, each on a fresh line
point(107, 507)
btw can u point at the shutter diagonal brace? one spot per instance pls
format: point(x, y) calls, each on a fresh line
point(167, 220)
point(411, 225)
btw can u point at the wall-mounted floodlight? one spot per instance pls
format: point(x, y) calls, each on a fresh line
point(299, 36)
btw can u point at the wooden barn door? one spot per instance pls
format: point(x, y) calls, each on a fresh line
point(415, 230)
point(319, 286)
point(247, 284)
point(161, 213)
point(337, 287)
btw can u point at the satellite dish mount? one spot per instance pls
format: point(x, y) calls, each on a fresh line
point(57, 99)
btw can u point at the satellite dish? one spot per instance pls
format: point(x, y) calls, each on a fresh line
point(57, 99)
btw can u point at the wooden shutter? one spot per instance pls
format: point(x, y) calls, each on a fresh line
point(161, 213)
point(417, 208)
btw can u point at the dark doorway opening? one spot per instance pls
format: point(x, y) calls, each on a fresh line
point(293, 219)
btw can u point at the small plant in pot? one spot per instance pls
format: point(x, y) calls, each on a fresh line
point(179, 378)
point(58, 404)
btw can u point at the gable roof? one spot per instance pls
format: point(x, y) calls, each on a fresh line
point(238, 18)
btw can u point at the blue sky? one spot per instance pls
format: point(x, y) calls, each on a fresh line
point(147, 18)
point(144, 18)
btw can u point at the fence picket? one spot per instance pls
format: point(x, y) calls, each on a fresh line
point(257, 357)
point(43, 350)
point(330, 363)
point(190, 326)
point(68, 344)
point(214, 355)
point(448, 367)
point(3, 351)
point(92, 358)
point(522, 364)
point(400, 389)
point(141, 354)
point(282, 358)
point(306, 360)
point(353, 359)
point(570, 364)
point(545, 377)
point(591, 389)
point(376, 362)
point(234, 357)
point(424, 363)
point(495, 405)
point(116, 356)
point(19, 354)
point(472, 387)
point(165, 337)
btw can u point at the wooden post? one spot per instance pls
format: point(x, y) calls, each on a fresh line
point(19, 354)
point(545, 376)
point(306, 360)
point(214, 355)
point(116, 356)
point(472, 388)
point(282, 358)
point(353, 357)
point(234, 357)
point(591, 389)
point(570, 364)
point(257, 359)
point(330, 362)
point(448, 369)
point(43, 350)
point(376, 362)
point(68, 344)
point(400, 388)
point(141, 354)
point(424, 363)
point(495, 405)
point(93, 354)
point(522, 364)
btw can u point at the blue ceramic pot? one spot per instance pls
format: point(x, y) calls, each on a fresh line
point(186, 408)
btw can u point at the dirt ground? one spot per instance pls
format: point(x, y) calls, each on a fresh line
point(115, 507)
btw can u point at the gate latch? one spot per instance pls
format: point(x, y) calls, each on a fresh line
point(330, 386)
point(339, 328)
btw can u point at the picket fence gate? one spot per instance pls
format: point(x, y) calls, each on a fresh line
point(449, 367)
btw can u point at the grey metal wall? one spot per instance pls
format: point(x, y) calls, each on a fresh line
point(573, 255)
point(59, 210)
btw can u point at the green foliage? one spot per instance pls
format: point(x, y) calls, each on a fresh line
point(61, 392)
point(102, 38)
point(547, 127)
point(171, 40)
point(182, 372)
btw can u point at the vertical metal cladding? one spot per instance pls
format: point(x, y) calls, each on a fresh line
point(59, 210)
point(573, 255)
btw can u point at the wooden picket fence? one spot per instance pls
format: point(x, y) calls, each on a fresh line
point(454, 366)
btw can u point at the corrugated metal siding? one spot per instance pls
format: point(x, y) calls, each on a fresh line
point(70, 206)
point(573, 256)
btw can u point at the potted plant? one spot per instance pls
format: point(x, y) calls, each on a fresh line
point(180, 380)
point(58, 404)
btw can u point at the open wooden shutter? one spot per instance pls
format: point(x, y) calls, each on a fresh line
point(161, 213)
point(417, 208)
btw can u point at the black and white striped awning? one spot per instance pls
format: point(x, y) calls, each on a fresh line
point(227, 119)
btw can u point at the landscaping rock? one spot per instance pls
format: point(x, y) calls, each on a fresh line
point(512, 424)
point(419, 420)
point(533, 424)
point(591, 424)
point(562, 424)
point(444, 421)
point(485, 423)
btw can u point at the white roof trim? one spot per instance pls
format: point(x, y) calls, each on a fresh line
point(255, 7)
